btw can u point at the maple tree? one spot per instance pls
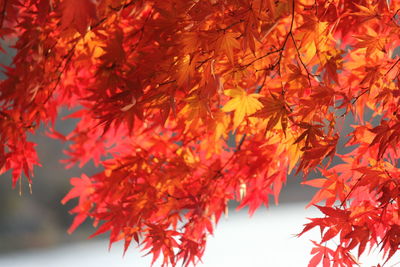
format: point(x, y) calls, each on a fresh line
point(160, 86)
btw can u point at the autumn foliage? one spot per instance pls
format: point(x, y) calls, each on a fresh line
point(159, 87)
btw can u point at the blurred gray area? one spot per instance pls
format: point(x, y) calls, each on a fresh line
point(39, 219)
point(263, 240)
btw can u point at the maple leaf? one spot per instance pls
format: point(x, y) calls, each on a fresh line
point(226, 43)
point(196, 109)
point(332, 64)
point(275, 109)
point(367, 12)
point(360, 235)
point(146, 80)
point(392, 240)
point(322, 253)
point(332, 188)
point(78, 14)
point(311, 134)
point(200, 10)
point(386, 135)
point(114, 52)
point(82, 188)
point(242, 104)
point(297, 77)
point(373, 41)
point(186, 69)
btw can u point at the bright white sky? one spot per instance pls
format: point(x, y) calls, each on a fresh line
point(265, 240)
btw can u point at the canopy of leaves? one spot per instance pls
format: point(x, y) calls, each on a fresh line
point(159, 86)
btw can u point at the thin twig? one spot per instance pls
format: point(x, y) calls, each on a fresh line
point(301, 60)
point(238, 148)
point(397, 61)
point(361, 94)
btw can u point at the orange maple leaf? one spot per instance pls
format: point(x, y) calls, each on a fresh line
point(226, 43)
point(371, 40)
point(242, 103)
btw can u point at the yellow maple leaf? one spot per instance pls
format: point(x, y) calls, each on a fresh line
point(242, 104)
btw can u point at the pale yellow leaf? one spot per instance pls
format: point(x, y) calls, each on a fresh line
point(242, 104)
